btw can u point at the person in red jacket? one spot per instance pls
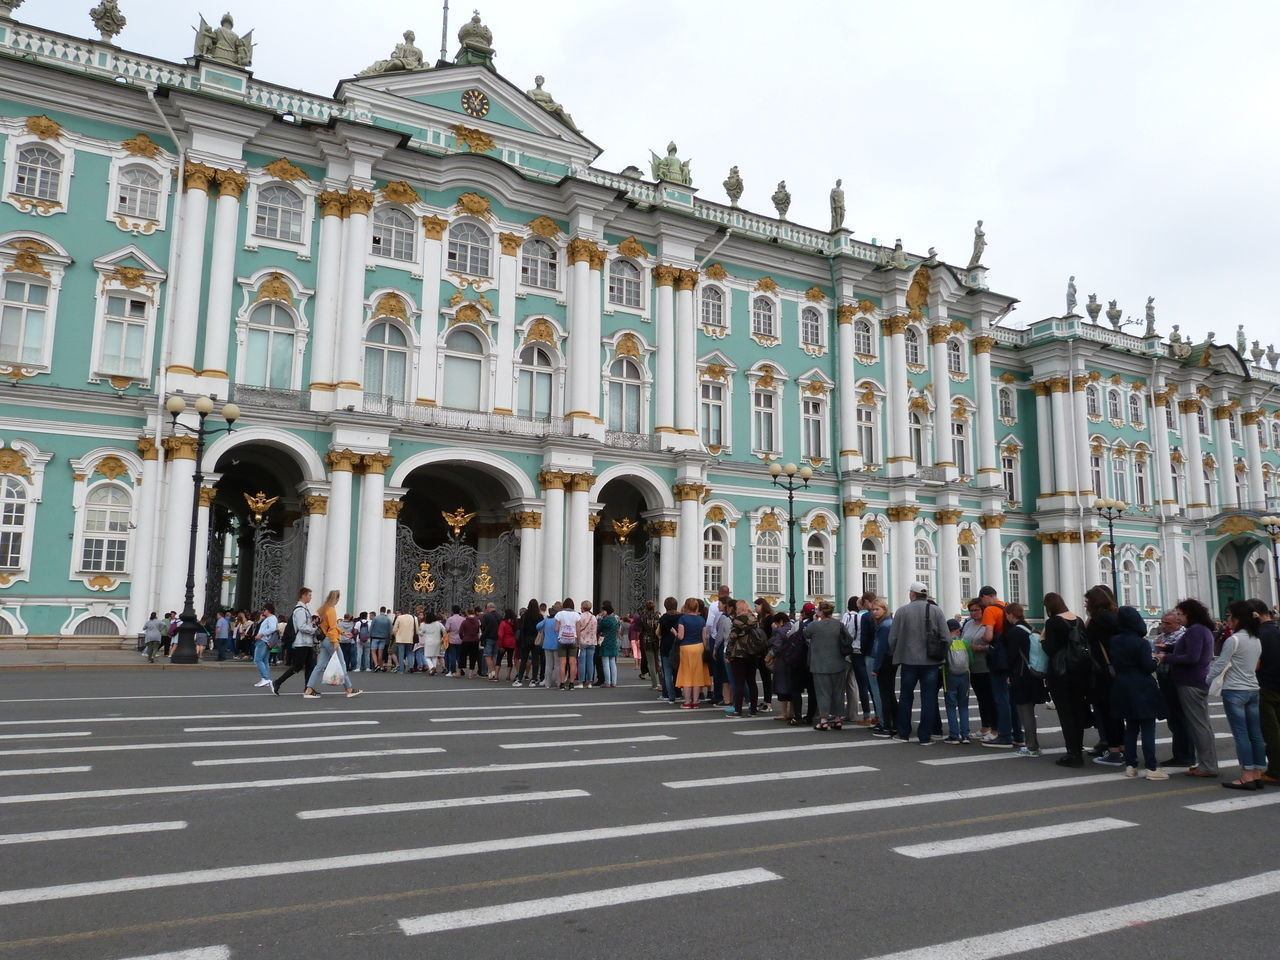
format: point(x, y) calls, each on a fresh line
point(506, 645)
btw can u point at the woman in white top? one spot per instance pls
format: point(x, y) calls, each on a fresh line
point(431, 637)
point(1237, 664)
point(587, 642)
point(567, 631)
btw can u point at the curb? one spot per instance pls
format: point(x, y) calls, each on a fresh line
point(113, 666)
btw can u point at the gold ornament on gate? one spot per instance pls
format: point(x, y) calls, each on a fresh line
point(424, 581)
point(457, 519)
point(624, 528)
point(259, 503)
point(484, 584)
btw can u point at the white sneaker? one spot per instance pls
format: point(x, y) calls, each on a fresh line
point(517, 683)
point(1130, 771)
point(1157, 774)
point(263, 683)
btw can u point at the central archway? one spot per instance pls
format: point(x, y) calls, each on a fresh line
point(625, 553)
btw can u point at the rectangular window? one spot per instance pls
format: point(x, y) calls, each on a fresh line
point(124, 334)
point(1140, 483)
point(867, 435)
point(812, 432)
point(1009, 476)
point(712, 563)
point(815, 572)
point(712, 415)
point(22, 321)
point(1095, 476)
point(960, 445)
point(764, 405)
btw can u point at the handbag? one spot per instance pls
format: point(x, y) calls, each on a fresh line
point(335, 674)
point(1215, 688)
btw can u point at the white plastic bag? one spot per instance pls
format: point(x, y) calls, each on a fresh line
point(334, 673)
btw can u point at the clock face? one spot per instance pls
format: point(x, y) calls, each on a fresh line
point(475, 103)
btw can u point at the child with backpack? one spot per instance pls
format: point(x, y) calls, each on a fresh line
point(956, 684)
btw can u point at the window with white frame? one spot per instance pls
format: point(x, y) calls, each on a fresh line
point(866, 419)
point(386, 360)
point(1210, 487)
point(911, 338)
point(13, 521)
point(124, 336)
point(464, 370)
point(924, 563)
point(712, 300)
point(278, 213)
point(1233, 428)
point(1275, 434)
point(1095, 475)
point(469, 249)
point(711, 417)
point(1092, 406)
point(870, 566)
point(764, 421)
point(955, 357)
point(1009, 475)
point(813, 428)
point(38, 172)
point(714, 572)
point(1113, 405)
point(915, 433)
point(810, 327)
point(1262, 434)
point(1128, 582)
point(815, 567)
point(269, 347)
point(768, 564)
point(624, 284)
point(624, 386)
point(104, 547)
point(764, 317)
point(960, 444)
point(534, 384)
point(1170, 417)
point(1202, 420)
point(1175, 480)
point(1135, 409)
point(1141, 487)
point(1241, 482)
point(24, 313)
point(1016, 575)
point(392, 234)
point(138, 192)
point(864, 342)
point(1150, 592)
point(1104, 569)
point(966, 573)
point(1005, 399)
point(539, 264)
point(1120, 475)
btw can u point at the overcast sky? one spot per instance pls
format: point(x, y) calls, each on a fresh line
point(1132, 143)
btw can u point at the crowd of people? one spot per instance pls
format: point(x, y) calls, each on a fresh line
point(1102, 669)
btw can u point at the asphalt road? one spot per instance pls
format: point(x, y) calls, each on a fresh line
point(172, 814)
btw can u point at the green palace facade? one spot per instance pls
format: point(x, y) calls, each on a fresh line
point(471, 365)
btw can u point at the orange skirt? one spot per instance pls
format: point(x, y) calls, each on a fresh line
point(693, 672)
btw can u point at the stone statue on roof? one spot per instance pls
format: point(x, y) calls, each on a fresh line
point(670, 168)
point(837, 206)
point(1174, 335)
point(979, 246)
point(405, 56)
point(1272, 356)
point(1241, 343)
point(224, 44)
point(1093, 308)
point(1257, 353)
point(548, 103)
point(1071, 296)
point(477, 43)
point(781, 199)
point(108, 19)
point(733, 186)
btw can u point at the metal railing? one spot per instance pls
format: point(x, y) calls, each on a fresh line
point(650, 442)
point(479, 421)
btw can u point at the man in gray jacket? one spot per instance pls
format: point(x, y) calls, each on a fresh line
point(913, 624)
point(302, 652)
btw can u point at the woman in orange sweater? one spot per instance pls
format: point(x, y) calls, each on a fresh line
point(328, 616)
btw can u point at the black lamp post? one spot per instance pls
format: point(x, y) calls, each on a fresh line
point(1110, 511)
point(791, 479)
point(185, 652)
point(1271, 524)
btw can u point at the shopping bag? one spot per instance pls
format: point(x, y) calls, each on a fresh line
point(334, 674)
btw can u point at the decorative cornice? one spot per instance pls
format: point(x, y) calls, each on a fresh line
point(315, 505)
point(231, 183)
point(544, 227)
point(631, 247)
point(716, 272)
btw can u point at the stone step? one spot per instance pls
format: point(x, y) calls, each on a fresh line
point(34, 642)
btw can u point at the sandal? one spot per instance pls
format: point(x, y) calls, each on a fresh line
point(837, 725)
point(821, 725)
point(792, 722)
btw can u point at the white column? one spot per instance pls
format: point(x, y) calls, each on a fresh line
point(433, 256)
point(1078, 434)
point(942, 454)
point(899, 460)
point(185, 309)
point(689, 539)
point(665, 359)
point(529, 522)
point(1070, 569)
point(686, 356)
point(217, 323)
point(369, 585)
point(901, 553)
point(988, 472)
point(949, 561)
point(1158, 465)
point(504, 384)
point(1044, 451)
point(993, 552)
point(553, 484)
point(1226, 456)
point(207, 495)
point(1048, 569)
point(355, 249)
point(392, 504)
point(669, 560)
point(578, 537)
point(316, 508)
point(582, 373)
point(851, 547)
point(847, 396)
point(1253, 458)
point(324, 338)
point(337, 568)
point(142, 543)
point(1197, 495)
point(1060, 429)
point(181, 453)
point(1091, 563)
point(592, 346)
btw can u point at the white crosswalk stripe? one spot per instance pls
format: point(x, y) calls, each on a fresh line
point(764, 778)
point(221, 952)
point(461, 802)
point(583, 743)
point(1010, 838)
point(303, 757)
point(83, 833)
point(512, 716)
point(42, 734)
point(238, 728)
point(41, 771)
point(1231, 804)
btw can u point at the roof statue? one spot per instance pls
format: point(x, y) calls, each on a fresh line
point(1113, 314)
point(108, 19)
point(224, 44)
point(1071, 296)
point(781, 200)
point(1257, 353)
point(1151, 317)
point(477, 43)
point(1093, 308)
point(1272, 356)
point(733, 186)
point(1240, 340)
point(548, 103)
point(405, 56)
point(1208, 339)
point(670, 168)
point(7, 7)
point(837, 206)
point(899, 256)
point(979, 246)
point(1174, 335)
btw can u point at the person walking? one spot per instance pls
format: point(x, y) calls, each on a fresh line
point(404, 631)
point(829, 644)
point(302, 651)
point(379, 637)
point(693, 677)
point(330, 647)
point(918, 628)
point(347, 627)
point(153, 635)
point(1135, 696)
point(1026, 686)
point(1237, 665)
point(267, 633)
point(1066, 646)
point(1188, 664)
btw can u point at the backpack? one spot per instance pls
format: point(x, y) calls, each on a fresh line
point(1075, 656)
point(957, 657)
point(290, 632)
point(936, 645)
point(1037, 659)
point(755, 643)
point(794, 648)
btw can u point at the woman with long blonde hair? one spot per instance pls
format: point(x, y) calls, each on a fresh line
point(329, 647)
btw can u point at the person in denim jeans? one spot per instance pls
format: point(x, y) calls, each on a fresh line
point(360, 651)
point(669, 649)
point(1008, 726)
point(957, 686)
point(913, 624)
point(1237, 664)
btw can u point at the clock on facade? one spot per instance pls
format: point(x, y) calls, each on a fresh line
point(475, 103)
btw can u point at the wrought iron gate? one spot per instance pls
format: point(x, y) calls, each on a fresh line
point(455, 573)
point(278, 564)
point(214, 568)
point(637, 579)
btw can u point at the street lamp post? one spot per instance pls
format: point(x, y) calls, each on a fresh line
point(1110, 511)
point(1271, 524)
point(185, 652)
point(791, 479)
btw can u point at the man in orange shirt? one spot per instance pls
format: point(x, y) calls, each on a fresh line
point(1008, 729)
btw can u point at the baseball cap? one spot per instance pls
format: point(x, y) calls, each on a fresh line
point(918, 587)
point(808, 608)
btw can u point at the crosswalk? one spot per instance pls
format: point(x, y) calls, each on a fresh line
point(629, 789)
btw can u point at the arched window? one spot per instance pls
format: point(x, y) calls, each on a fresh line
point(912, 339)
point(468, 249)
point(867, 445)
point(870, 566)
point(955, 356)
point(539, 264)
point(1113, 405)
point(13, 522)
point(269, 347)
point(1092, 407)
point(1135, 409)
point(386, 360)
point(966, 573)
point(392, 234)
point(464, 360)
point(38, 173)
point(815, 567)
point(768, 564)
point(138, 193)
point(624, 396)
point(1016, 588)
point(106, 529)
point(713, 556)
point(1006, 403)
point(712, 307)
point(810, 327)
point(863, 340)
point(23, 316)
point(1150, 593)
point(536, 376)
point(764, 320)
point(624, 283)
point(278, 214)
point(924, 563)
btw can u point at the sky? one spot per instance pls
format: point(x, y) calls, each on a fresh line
point(1133, 144)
